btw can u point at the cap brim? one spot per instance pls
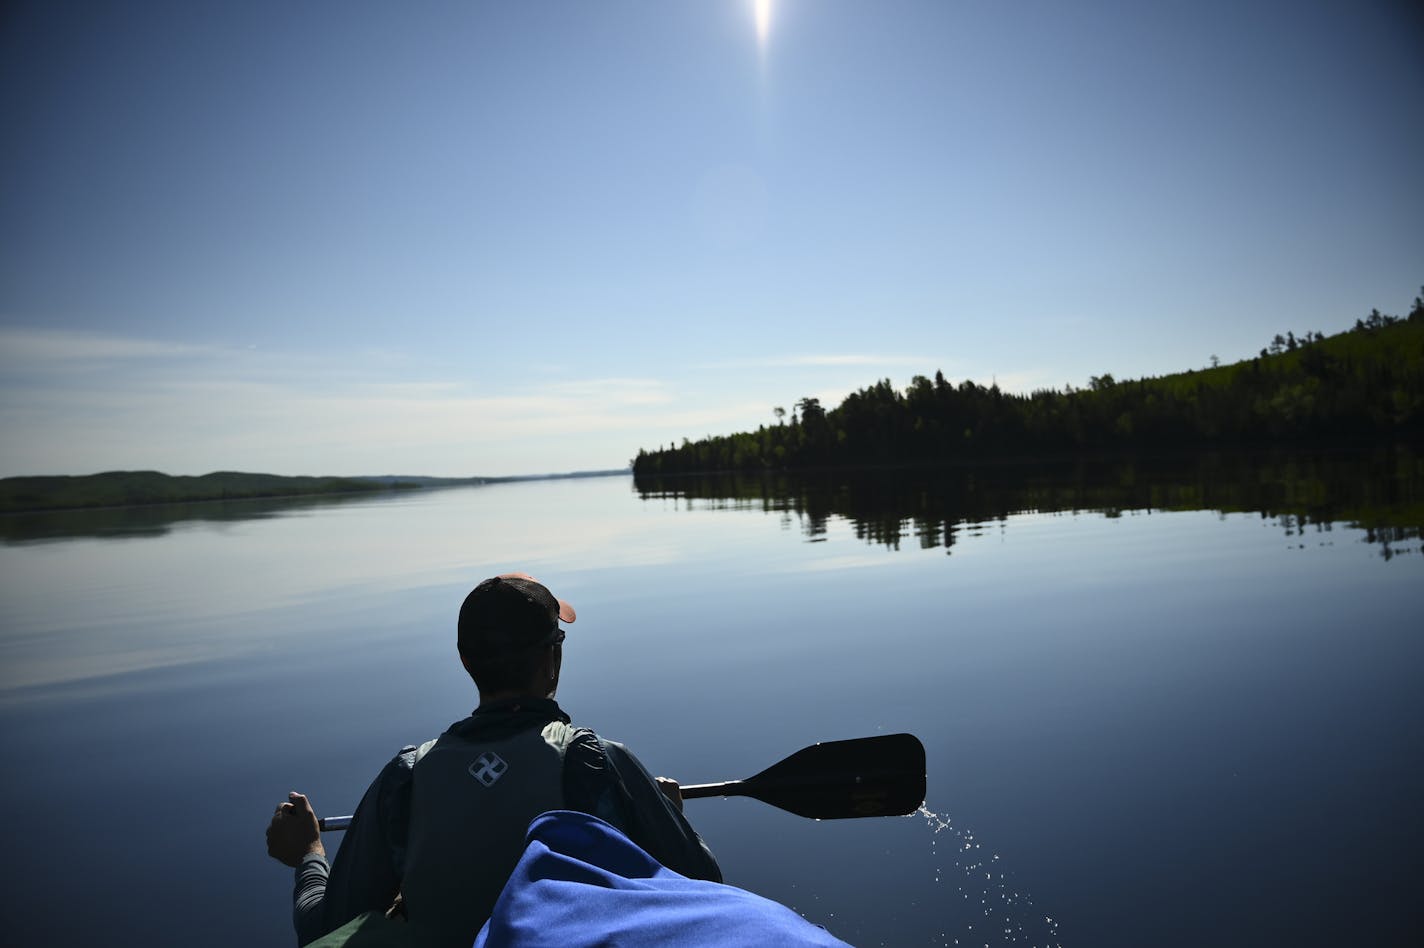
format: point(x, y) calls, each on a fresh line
point(566, 611)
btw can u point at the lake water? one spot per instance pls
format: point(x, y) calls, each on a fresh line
point(1162, 703)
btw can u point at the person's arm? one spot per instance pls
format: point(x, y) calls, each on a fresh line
point(365, 874)
point(656, 823)
point(294, 839)
point(309, 898)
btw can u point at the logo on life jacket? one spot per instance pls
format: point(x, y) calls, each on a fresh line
point(488, 768)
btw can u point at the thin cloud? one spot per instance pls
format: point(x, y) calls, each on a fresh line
point(624, 391)
point(78, 403)
point(23, 346)
point(794, 361)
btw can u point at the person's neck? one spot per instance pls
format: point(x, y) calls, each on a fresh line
point(514, 695)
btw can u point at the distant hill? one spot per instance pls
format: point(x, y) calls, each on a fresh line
point(613, 472)
point(125, 488)
point(423, 481)
point(418, 480)
point(138, 488)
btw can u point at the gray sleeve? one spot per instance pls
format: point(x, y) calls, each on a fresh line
point(366, 873)
point(655, 824)
point(308, 898)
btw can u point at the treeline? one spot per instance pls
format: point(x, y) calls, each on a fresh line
point(1367, 382)
point(126, 488)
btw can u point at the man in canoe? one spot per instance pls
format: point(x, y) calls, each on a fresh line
point(443, 824)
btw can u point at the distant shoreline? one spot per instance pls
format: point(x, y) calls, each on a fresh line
point(116, 489)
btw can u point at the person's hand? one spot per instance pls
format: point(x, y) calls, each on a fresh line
point(672, 790)
point(293, 832)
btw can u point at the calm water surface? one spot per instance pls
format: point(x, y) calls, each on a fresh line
point(1155, 713)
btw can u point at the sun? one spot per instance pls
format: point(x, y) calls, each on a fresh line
point(761, 9)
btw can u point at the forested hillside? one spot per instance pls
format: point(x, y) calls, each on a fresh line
point(121, 488)
point(1365, 383)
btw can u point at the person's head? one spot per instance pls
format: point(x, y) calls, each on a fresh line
point(509, 636)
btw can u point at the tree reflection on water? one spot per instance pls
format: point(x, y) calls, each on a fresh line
point(1381, 493)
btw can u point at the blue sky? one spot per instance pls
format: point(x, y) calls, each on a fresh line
point(478, 238)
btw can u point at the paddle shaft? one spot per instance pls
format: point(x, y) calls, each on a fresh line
point(727, 788)
point(698, 790)
point(730, 788)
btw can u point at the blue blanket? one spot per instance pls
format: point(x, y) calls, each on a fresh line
point(581, 882)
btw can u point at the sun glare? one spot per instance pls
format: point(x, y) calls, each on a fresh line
point(762, 11)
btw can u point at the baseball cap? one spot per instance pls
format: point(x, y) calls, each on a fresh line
point(508, 613)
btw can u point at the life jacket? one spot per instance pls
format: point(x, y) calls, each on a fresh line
point(471, 803)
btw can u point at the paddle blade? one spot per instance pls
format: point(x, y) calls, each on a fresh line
point(837, 780)
point(871, 776)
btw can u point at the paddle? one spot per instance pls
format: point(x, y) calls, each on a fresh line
point(868, 776)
